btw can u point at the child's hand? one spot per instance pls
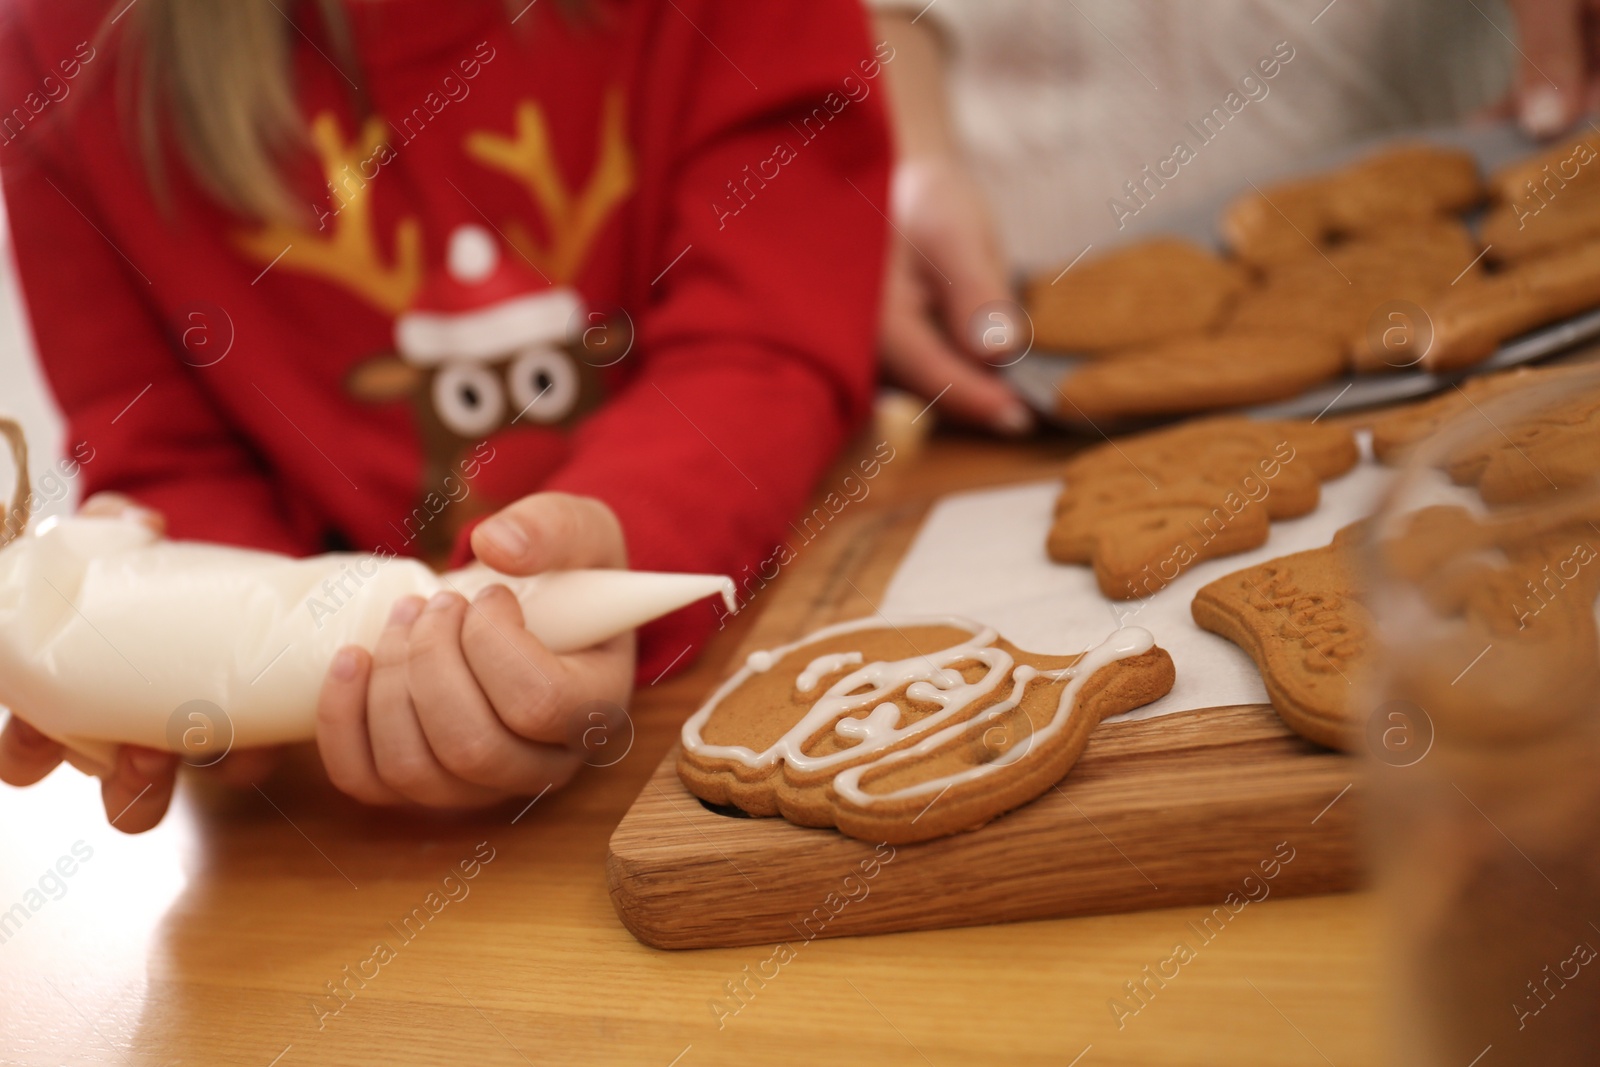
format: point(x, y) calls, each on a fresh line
point(139, 787)
point(459, 706)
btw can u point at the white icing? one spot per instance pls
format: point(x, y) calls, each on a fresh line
point(730, 595)
point(821, 667)
point(926, 678)
point(1123, 643)
point(880, 723)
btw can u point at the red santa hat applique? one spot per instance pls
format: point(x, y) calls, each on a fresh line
point(484, 305)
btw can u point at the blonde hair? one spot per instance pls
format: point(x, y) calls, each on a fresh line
point(218, 73)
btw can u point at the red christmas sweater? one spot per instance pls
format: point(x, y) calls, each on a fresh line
point(633, 255)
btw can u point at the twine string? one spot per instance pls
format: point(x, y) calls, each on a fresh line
point(17, 515)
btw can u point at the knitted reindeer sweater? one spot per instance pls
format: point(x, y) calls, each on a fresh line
point(633, 254)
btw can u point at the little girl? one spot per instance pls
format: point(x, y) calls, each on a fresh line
point(557, 285)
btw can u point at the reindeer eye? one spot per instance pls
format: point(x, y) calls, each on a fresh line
point(544, 384)
point(469, 399)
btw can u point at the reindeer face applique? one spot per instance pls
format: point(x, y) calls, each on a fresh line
point(495, 352)
point(493, 362)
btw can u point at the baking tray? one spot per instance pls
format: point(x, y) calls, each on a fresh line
point(1037, 375)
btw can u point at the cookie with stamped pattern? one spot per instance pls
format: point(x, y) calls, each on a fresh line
point(1141, 510)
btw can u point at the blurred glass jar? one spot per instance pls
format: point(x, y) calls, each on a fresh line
point(1482, 570)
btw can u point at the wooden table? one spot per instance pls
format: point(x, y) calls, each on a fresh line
point(217, 937)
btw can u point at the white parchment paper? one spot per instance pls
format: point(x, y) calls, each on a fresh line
point(981, 555)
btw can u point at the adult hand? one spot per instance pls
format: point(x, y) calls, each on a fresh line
point(944, 267)
point(459, 706)
point(944, 262)
point(1559, 74)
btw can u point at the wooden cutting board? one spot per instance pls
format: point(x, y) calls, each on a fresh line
point(1193, 808)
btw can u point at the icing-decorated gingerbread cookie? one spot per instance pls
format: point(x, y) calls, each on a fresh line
point(1141, 510)
point(908, 731)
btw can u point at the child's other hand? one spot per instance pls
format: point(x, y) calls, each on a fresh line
point(944, 265)
point(138, 787)
point(459, 705)
point(135, 792)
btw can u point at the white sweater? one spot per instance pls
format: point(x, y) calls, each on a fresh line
point(1060, 103)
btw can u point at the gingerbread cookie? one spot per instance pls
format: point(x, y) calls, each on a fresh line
point(909, 731)
point(1404, 185)
point(1568, 164)
point(1279, 224)
point(1471, 320)
point(1516, 231)
point(1301, 620)
point(1515, 589)
point(1545, 202)
point(1517, 585)
point(1142, 510)
point(1396, 431)
point(1338, 293)
point(1133, 295)
point(1205, 373)
point(1514, 436)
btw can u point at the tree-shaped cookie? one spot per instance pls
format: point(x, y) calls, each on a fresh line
point(1141, 510)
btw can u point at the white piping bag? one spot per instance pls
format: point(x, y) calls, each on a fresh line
point(109, 632)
